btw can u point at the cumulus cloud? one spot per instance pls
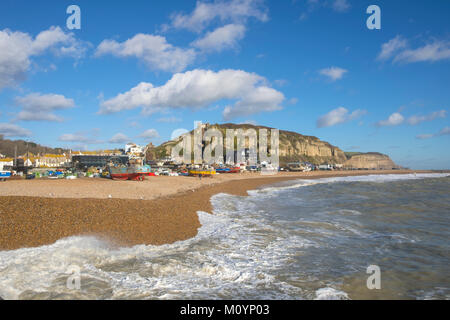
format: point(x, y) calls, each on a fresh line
point(220, 39)
point(119, 138)
point(394, 120)
point(13, 130)
point(153, 51)
point(17, 49)
point(260, 99)
point(399, 50)
point(333, 73)
point(337, 116)
point(416, 119)
point(149, 134)
point(198, 89)
point(236, 11)
point(39, 107)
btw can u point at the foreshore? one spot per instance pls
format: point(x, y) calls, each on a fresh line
point(158, 211)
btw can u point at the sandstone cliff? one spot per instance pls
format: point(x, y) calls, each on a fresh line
point(371, 160)
point(293, 146)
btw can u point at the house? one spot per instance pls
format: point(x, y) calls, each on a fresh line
point(49, 160)
point(134, 151)
point(6, 162)
point(325, 167)
point(132, 148)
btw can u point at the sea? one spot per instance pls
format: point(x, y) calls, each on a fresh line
point(360, 237)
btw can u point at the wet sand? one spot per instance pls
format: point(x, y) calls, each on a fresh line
point(158, 211)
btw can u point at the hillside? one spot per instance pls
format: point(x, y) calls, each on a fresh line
point(370, 160)
point(293, 146)
point(7, 148)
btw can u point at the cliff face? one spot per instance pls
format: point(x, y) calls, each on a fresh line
point(371, 160)
point(293, 146)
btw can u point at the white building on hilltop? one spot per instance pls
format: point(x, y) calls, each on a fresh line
point(134, 151)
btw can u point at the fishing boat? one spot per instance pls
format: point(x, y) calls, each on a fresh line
point(228, 170)
point(126, 173)
point(5, 175)
point(145, 170)
point(222, 170)
point(202, 172)
point(295, 166)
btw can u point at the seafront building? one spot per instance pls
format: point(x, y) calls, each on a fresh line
point(6, 162)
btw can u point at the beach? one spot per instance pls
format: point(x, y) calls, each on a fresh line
point(289, 236)
point(161, 210)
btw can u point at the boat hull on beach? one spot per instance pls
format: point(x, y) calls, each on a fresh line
point(126, 173)
point(5, 175)
point(200, 172)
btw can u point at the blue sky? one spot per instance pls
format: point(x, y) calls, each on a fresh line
point(140, 70)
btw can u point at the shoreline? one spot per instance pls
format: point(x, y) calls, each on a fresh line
point(27, 221)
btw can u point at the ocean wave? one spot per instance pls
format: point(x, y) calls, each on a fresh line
point(231, 257)
point(377, 178)
point(330, 294)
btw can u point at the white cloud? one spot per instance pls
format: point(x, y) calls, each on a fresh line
point(444, 131)
point(391, 47)
point(198, 89)
point(17, 48)
point(177, 133)
point(252, 122)
point(413, 120)
point(280, 82)
point(340, 5)
point(39, 107)
point(72, 137)
point(338, 116)
point(152, 50)
point(424, 136)
point(260, 99)
point(222, 38)
point(399, 50)
point(438, 50)
point(38, 116)
point(169, 120)
point(393, 120)
point(333, 73)
point(119, 138)
point(12, 130)
point(293, 101)
point(236, 11)
point(79, 138)
point(149, 134)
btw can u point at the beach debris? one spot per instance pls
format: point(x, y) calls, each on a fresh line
point(109, 196)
